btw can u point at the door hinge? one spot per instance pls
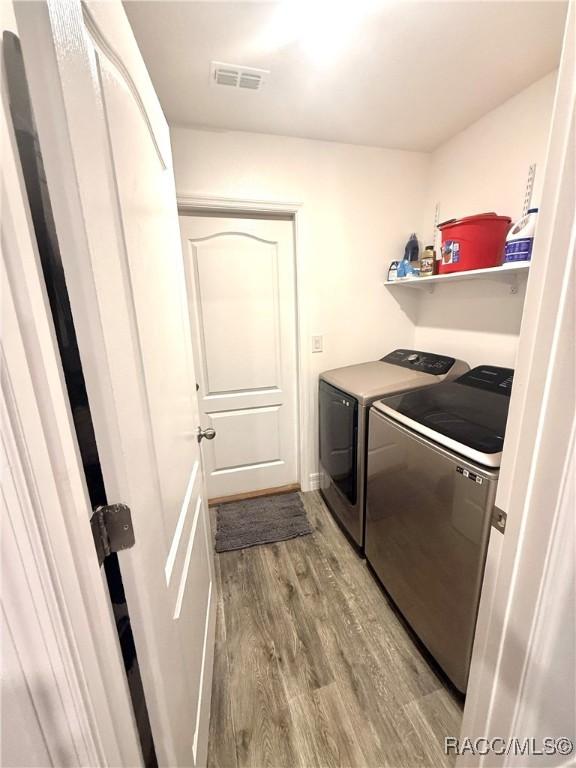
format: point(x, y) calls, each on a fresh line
point(499, 518)
point(112, 529)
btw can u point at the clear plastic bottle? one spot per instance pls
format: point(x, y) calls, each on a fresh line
point(410, 265)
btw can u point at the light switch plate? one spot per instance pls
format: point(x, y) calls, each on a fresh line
point(317, 343)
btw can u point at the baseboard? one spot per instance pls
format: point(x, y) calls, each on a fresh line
point(314, 481)
point(254, 494)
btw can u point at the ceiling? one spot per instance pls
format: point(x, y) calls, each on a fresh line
point(388, 73)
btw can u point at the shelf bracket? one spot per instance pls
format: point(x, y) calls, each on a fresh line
point(512, 281)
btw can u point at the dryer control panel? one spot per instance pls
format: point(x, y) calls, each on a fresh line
point(427, 362)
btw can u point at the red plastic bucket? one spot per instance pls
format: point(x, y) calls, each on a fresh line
point(475, 242)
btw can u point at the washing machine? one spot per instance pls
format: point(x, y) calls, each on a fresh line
point(345, 396)
point(432, 473)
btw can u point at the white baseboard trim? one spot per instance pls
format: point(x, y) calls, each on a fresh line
point(314, 481)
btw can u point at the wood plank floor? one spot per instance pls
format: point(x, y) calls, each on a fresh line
point(312, 666)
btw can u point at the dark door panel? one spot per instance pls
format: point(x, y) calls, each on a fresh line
point(339, 438)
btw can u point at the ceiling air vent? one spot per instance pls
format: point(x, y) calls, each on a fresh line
point(234, 76)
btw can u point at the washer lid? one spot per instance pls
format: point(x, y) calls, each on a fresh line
point(467, 415)
point(368, 381)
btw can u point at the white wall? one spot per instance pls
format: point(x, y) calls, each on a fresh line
point(359, 205)
point(484, 168)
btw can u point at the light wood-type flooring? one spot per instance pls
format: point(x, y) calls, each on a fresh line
point(312, 665)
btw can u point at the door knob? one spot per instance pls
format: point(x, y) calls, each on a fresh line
point(209, 433)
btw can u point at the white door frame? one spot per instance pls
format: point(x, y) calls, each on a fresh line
point(55, 603)
point(197, 204)
point(66, 611)
point(518, 663)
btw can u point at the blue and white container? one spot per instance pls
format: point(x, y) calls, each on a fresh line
point(520, 239)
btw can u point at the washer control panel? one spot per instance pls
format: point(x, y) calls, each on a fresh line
point(427, 362)
point(489, 377)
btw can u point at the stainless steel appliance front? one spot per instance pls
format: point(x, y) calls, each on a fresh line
point(345, 396)
point(427, 526)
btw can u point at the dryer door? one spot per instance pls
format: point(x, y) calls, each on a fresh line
point(338, 413)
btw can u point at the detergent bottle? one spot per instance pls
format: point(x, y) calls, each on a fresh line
point(520, 239)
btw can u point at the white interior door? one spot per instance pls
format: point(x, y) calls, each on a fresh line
point(241, 289)
point(109, 170)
